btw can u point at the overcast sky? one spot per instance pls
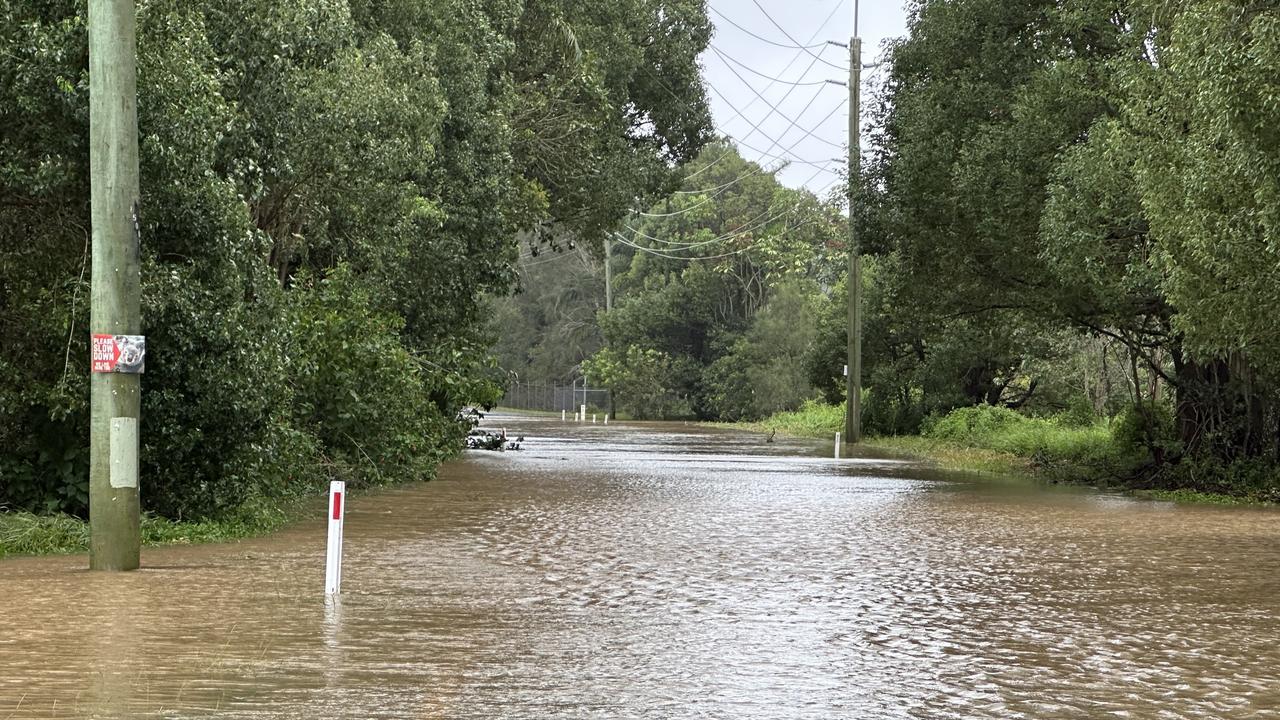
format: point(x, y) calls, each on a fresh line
point(741, 95)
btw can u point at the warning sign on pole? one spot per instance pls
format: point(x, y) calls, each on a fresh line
point(119, 353)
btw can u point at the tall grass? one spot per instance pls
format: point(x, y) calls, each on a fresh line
point(813, 419)
point(984, 438)
point(1045, 440)
point(24, 533)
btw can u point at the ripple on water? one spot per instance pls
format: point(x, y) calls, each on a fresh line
point(675, 572)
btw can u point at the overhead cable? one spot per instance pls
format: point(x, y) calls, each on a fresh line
point(725, 56)
point(737, 232)
point(622, 239)
point(794, 123)
point(795, 46)
point(788, 36)
point(835, 8)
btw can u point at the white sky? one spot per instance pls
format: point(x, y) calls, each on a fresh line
point(808, 105)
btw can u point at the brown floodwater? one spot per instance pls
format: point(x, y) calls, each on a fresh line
point(672, 571)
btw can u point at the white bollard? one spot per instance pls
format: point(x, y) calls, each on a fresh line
point(606, 418)
point(333, 560)
point(837, 446)
point(593, 418)
point(562, 414)
point(584, 414)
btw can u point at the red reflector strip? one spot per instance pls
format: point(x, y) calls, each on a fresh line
point(337, 506)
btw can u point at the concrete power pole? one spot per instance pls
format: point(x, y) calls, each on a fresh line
point(113, 173)
point(608, 274)
point(853, 383)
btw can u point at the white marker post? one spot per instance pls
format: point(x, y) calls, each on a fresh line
point(333, 560)
point(606, 418)
point(593, 418)
point(837, 446)
point(562, 414)
point(584, 414)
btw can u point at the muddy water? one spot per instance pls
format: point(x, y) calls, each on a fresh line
point(674, 572)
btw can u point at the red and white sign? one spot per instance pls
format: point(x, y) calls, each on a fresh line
point(333, 554)
point(118, 353)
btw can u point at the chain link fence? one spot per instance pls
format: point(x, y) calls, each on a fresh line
point(549, 397)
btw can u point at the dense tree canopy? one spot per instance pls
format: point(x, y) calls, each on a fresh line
point(1105, 169)
point(329, 188)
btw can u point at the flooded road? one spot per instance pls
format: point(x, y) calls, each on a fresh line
point(668, 571)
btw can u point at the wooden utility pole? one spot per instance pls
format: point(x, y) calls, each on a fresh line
point(113, 175)
point(853, 383)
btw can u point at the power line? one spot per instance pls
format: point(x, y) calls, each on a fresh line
point(794, 123)
point(721, 189)
point(740, 113)
point(791, 124)
point(785, 159)
point(774, 142)
point(725, 56)
point(650, 251)
point(718, 192)
point(834, 9)
point(795, 46)
point(756, 128)
point(737, 232)
point(731, 183)
point(788, 36)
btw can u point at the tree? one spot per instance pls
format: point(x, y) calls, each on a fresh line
point(324, 182)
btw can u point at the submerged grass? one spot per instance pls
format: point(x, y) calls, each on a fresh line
point(1002, 441)
point(1195, 497)
point(953, 456)
point(999, 440)
point(24, 533)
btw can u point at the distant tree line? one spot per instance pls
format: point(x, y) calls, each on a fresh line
point(715, 289)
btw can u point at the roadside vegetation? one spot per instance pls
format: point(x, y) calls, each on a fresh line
point(360, 217)
point(1070, 234)
point(27, 533)
point(994, 439)
point(329, 189)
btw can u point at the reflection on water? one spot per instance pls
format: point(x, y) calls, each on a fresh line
point(671, 571)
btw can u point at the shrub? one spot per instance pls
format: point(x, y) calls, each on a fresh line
point(358, 390)
point(1150, 429)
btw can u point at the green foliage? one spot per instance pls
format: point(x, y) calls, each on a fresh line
point(358, 390)
point(217, 398)
point(1149, 427)
point(548, 327)
point(1255, 480)
point(721, 279)
point(1045, 442)
point(24, 533)
point(763, 373)
point(31, 534)
point(329, 189)
point(813, 419)
point(1099, 170)
point(641, 379)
